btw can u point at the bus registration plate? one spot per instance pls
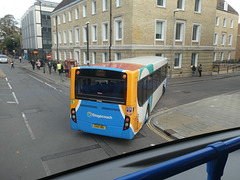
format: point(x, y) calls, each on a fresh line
point(99, 126)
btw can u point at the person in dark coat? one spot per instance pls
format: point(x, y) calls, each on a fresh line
point(200, 70)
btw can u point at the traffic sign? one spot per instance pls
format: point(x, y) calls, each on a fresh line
point(49, 56)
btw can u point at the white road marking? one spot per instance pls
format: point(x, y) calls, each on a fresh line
point(46, 168)
point(28, 127)
point(15, 97)
point(10, 102)
point(43, 82)
point(36, 78)
point(9, 85)
point(50, 85)
point(6, 78)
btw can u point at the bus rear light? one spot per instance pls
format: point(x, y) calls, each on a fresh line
point(73, 115)
point(126, 123)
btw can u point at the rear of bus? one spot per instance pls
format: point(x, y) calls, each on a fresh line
point(98, 102)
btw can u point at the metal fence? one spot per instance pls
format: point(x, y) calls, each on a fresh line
point(229, 66)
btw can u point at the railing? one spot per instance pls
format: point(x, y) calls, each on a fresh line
point(215, 155)
point(226, 66)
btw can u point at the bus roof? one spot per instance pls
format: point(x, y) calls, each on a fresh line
point(133, 63)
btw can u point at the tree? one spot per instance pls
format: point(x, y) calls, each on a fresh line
point(10, 33)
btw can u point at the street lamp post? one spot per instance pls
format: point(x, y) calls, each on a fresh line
point(87, 23)
point(173, 38)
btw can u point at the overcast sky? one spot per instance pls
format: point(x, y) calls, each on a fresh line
point(18, 7)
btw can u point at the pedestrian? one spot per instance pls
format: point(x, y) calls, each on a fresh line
point(20, 59)
point(12, 64)
point(59, 67)
point(200, 70)
point(55, 66)
point(38, 64)
point(193, 70)
point(49, 67)
point(33, 64)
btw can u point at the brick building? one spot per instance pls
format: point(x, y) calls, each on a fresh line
point(122, 29)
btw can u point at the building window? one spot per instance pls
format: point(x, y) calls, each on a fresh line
point(179, 32)
point(231, 24)
point(215, 39)
point(84, 57)
point(217, 21)
point(55, 54)
point(64, 37)
point(70, 16)
point(85, 34)
point(230, 40)
point(58, 17)
point(55, 38)
point(54, 21)
point(229, 56)
point(196, 33)
point(94, 57)
point(105, 5)
point(223, 39)
point(178, 60)
point(64, 55)
point(180, 4)
point(59, 37)
point(214, 57)
point(118, 3)
point(84, 10)
point(76, 13)
point(104, 57)
point(70, 36)
point(117, 56)
point(194, 60)
point(64, 18)
point(71, 56)
point(94, 7)
point(161, 3)
point(222, 56)
point(118, 29)
point(94, 33)
point(60, 55)
point(197, 7)
point(105, 31)
point(160, 54)
point(225, 22)
point(77, 35)
point(160, 30)
point(77, 56)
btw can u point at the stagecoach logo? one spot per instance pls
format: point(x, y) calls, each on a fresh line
point(89, 114)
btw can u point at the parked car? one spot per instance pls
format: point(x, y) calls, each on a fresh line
point(3, 59)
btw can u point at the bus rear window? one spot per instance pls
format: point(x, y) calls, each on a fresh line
point(101, 89)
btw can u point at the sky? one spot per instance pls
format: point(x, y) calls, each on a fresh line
point(18, 7)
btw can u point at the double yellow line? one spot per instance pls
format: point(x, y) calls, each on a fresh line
point(154, 129)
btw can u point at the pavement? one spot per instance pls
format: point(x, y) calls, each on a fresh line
point(204, 116)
